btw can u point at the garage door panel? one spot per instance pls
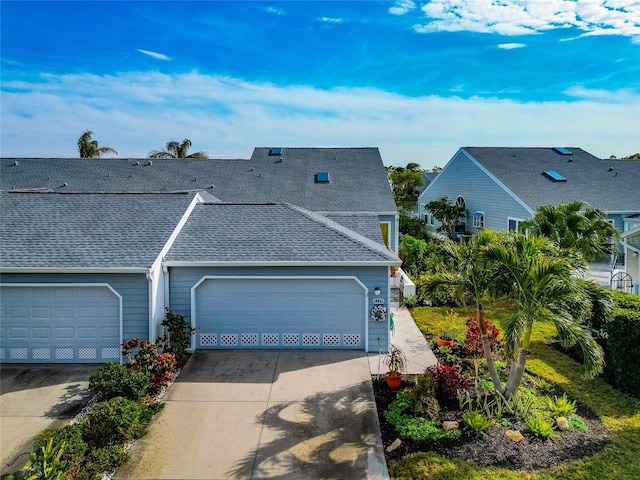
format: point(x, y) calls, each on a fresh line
point(280, 313)
point(65, 324)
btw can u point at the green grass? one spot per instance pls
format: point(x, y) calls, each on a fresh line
point(619, 412)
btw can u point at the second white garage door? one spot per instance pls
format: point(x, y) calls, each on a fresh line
point(280, 313)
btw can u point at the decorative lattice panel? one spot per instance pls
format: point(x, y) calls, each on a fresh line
point(64, 353)
point(270, 339)
point(41, 353)
point(87, 353)
point(19, 353)
point(110, 352)
point(290, 339)
point(310, 339)
point(331, 339)
point(208, 339)
point(228, 339)
point(3, 353)
point(351, 339)
point(249, 339)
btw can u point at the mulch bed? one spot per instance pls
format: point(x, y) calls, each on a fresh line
point(495, 448)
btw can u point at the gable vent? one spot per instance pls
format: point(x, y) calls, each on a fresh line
point(562, 151)
point(275, 151)
point(322, 177)
point(554, 176)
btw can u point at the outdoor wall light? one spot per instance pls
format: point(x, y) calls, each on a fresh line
point(376, 291)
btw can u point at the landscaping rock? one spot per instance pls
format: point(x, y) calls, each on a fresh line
point(396, 443)
point(451, 425)
point(562, 423)
point(514, 435)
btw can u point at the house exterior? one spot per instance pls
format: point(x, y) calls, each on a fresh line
point(502, 186)
point(291, 248)
point(630, 239)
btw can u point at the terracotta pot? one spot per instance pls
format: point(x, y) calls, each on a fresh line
point(393, 379)
point(445, 343)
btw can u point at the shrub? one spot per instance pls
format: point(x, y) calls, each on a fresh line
point(104, 459)
point(148, 359)
point(46, 462)
point(449, 382)
point(422, 396)
point(577, 422)
point(75, 446)
point(473, 338)
point(115, 380)
point(476, 421)
point(113, 422)
point(561, 406)
point(622, 344)
point(177, 336)
point(442, 295)
point(539, 427)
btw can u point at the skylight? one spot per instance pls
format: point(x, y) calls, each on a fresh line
point(275, 151)
point(554, 176)
point(322, 177)
point(563, 151)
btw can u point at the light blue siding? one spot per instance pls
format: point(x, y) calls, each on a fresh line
point(182, 279)
point(134, 289)
point(462, 177)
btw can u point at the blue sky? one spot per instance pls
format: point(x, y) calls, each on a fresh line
point(417, 79)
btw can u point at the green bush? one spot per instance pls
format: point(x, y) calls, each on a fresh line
point(476, 421)
point(623, 340)
point(103, 459)
point(115, 380)
point(561, 406)
point(113, 422)
point(75, 446)
point(177, 337)
point(539, 427)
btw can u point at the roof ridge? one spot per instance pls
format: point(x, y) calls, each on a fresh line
point(344, 231)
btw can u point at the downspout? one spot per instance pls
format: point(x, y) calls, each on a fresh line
point(151, 303)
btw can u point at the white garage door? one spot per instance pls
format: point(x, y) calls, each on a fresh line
point(59, 324)
point(280, 313)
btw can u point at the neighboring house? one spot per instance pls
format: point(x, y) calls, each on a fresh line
point(291, 248)
point(502, 186)
point(631, 243)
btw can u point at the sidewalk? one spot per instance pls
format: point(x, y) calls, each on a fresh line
point(409, 338)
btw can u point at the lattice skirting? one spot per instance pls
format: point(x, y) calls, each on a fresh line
point(279, 340)
point(60, 354)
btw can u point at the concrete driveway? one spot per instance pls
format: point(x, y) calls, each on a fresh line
point(33, 398)
point(254, 414)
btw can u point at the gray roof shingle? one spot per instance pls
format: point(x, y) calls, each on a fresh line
point(99, 231)
point(358, 181)
point(220, 233)
point(610, 185)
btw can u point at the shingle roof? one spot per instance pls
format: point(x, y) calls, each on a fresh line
point(365, 224)
point(610, 185)
point(358, 181)
point(218, 233)
point(45, 230)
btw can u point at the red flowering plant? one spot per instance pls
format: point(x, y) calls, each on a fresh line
point(449, 382)
point(148, 359)
point(473, 339)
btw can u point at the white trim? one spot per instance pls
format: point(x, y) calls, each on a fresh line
point(388, 244)
point(276, 277)
point(79, 285)
point(279, 263)
point(478, 224)
point(72, 270)
point(518, 222)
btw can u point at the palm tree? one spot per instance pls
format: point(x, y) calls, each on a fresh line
point(177, 150)
point(90, 149)
point(539, 280)
point(575, 226)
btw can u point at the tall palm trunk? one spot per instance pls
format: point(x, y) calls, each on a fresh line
point(488, 354)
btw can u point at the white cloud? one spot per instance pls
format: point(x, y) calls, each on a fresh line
point(330, 20)
point(159, 56)
point(401, 7)
point(274, 10)
point(136, 112)
point(511, 46)
point(522, 17)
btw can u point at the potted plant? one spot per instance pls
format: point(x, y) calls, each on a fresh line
point(443, 330)
point(396, 362)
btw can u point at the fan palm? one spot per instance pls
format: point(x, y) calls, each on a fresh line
point(177, 150)
point(89, 148)
point(575, 226)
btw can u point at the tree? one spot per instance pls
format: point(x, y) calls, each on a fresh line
point(447, 213)
point(90, 149)
point(405, 183)
point(177, 150)
point(413, 226)
point(576, 227)
point(538, 278)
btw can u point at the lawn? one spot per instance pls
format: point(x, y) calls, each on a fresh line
point(619, 412)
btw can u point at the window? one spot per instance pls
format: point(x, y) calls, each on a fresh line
point(430, 220)
point(554, 176)
point(275, 151)
point(478, 220)
point(322, 177)
point(461, 202)
point(385, 228)
point(514, 224)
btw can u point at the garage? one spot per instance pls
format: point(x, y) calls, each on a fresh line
point(279, 312)
point(61, 323)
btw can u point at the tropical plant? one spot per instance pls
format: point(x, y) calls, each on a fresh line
point(539, 427)
point(177, 336)
point(89, 148)
point(175, 149)
point(447, 213)
point(405, 182)
point(473, 338)
point(561, 406)
point(476, 421)
point(449, 382)
point(576, 227)
point(395, 360)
